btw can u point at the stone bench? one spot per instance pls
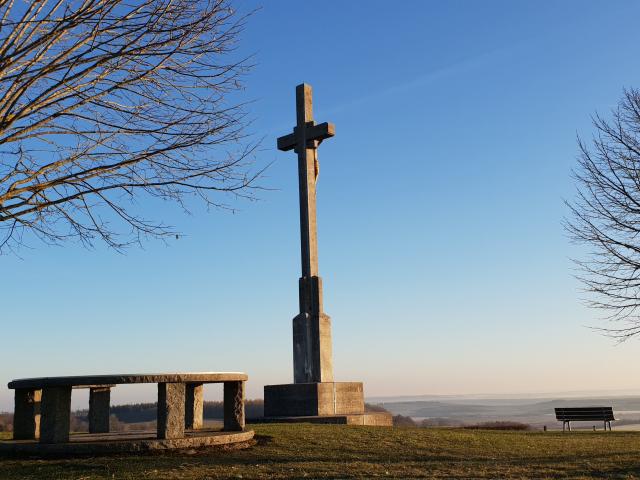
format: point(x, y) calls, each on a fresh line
point(43, 405)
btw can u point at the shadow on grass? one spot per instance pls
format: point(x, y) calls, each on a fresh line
point(258, 440)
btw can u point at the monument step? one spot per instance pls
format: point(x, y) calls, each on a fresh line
point(313, 399)
point(378, 419)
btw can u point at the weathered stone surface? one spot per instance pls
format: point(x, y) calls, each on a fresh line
point(378, 419)
point(312, 352)
point(348, 397)
point(96, 444)
point(234, 406)
point(55, 414)
point(171, 399)
point(310, 294)
point(100, 380)
point(311, 399)
point(194, 406)
point(99, 409)
point(290, 400)
point(26, 417)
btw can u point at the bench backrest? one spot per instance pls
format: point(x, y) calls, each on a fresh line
point(585, 413)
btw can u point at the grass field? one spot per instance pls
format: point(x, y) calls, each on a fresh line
point(332, 451)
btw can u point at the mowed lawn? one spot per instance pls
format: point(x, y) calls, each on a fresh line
point(332, 451)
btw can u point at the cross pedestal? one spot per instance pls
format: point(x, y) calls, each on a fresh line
point(314, 392)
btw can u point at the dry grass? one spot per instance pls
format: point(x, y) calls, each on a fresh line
point(332, 451)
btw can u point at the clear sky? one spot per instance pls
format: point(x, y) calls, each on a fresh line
point(440, 206)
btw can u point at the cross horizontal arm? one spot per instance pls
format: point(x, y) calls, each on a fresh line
point(320, 132)
point(287, 142)
point(313, 132)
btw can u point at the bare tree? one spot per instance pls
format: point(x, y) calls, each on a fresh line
point(105, 102)
point(606, 216)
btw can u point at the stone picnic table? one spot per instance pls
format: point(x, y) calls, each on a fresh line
point(43, 405)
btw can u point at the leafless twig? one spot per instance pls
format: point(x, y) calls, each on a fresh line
point(606, 216)
point(104, 101)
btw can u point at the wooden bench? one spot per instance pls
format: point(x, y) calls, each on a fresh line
point(584, 414)
point(43, 405)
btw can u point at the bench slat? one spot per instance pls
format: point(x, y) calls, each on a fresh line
point(584, 413)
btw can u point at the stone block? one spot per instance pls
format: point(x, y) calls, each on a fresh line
point(55, 414)
point(293, 399)
point(377, 419)
point(313, 399)
point(26, 416)
point(325, 401)
point(312, 352)
point(99, 409)
point(234, 406)
point(171, 402)
point(349, 397)
point(194, 406)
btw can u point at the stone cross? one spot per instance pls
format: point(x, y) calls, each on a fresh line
point(312, 331)
point(304, 141)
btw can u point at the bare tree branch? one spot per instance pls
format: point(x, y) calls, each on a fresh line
point(102, 101)
point(606, 216)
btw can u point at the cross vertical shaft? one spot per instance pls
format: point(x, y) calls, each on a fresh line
point(311, 328)
point(307, 176)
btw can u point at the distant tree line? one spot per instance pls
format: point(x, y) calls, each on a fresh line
point(6, 422)
point(146, 412)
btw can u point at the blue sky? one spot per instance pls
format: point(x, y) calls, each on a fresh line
point(440, 204)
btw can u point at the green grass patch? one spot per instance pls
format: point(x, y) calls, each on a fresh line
point(336, 451)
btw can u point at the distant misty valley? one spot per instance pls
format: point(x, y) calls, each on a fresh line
point(535, 412)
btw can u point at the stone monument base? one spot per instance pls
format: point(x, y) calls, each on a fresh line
point(372, 419)
point(323, 402)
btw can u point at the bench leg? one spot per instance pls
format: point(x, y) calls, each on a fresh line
point(171, 410)
point(99, 400)
point(56, 412)
point(194, 406)
point(234, 406)
point(26, 414)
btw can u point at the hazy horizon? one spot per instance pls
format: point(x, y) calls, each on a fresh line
point(144, 394)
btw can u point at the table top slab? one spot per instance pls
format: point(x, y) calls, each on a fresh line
point(127, 378)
